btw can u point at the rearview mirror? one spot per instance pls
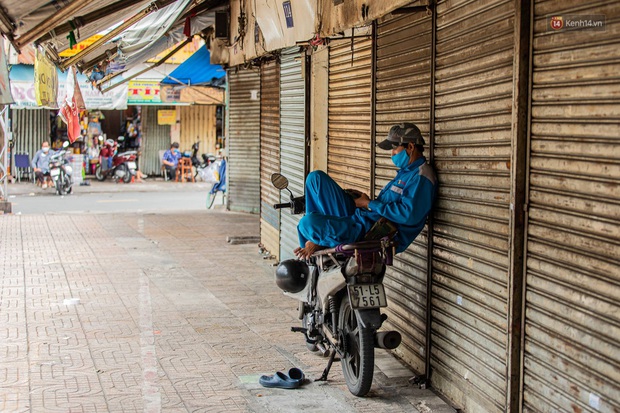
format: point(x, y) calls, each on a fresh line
point(279, 181)
point(65, 144)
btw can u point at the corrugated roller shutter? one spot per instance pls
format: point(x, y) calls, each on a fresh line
point(198, 125)
point(244, 140)
point(572, 314)
point(349, 140)
point(270, 156)
point(403, 95)
point(473, 111)
point(30, 128)
point(155, 138)
point(292, 142)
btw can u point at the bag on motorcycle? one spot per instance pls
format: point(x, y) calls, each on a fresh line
point(382, 228)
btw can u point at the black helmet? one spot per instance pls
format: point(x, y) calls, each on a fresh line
point(292, 275)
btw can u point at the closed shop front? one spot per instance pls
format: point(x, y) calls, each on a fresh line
point(571, 356)
point(155, 138)
point(349, 137)
point(269, 156)
point(198, 124)
point(403, 72)
point(244, 140)
point(471, 242)
point(292, 142)
point(30, 128)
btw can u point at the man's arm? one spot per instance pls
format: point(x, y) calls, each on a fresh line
point(411, 207)
point(35, 161)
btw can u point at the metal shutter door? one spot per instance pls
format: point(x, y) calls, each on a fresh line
point(244, 140)
point(270, 156)
point(30, 128)
point(572, 307)
point(470, 260)
point(403, 94)
point(349, 140)
point(293, 143)
point(155, 138)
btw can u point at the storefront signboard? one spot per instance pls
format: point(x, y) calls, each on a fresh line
point(166, 117)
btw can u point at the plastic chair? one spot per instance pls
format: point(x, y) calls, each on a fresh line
point(184, 170)
point(22, 165)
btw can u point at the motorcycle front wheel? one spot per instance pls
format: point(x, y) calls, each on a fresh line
point(358, 360)
point(127, 175)
point(99, 174)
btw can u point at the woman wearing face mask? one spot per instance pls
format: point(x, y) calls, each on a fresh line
point(171, 160)
point(335, 216)
point(41, 164)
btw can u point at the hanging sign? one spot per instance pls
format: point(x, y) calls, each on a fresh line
point(45, 81)
point(166, 117)
point(143, 92)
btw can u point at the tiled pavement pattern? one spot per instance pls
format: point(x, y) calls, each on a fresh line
point(157, 313)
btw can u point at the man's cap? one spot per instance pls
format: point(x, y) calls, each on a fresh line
point(175, 144)
point(402, 133)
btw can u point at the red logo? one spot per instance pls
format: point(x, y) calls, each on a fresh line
point(557, 22)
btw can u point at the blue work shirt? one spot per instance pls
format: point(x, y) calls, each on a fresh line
point(172, 157)
point(406, 201)
point(41, 160)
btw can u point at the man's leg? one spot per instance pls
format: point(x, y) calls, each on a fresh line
point(39, 177)
point(325, 196)
point(172, 172)
point(328, 231)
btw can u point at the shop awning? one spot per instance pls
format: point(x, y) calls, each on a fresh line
point(195, 71)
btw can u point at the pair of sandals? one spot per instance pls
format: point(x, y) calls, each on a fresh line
point(293, 380)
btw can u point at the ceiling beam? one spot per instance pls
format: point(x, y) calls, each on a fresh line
point(89, 18)
point(118, 30)
point(51, 22)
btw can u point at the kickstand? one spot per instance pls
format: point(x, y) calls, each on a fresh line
point(329, 366)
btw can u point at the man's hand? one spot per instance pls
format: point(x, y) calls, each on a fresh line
point(37, 169)
point(362, 201)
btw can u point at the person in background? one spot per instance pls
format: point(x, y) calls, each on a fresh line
point(171, 160)
point(41, 164)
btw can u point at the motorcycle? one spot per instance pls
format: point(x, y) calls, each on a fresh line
point(61, 171)
point(340, 292)
point(123, 167)
point(201, 166)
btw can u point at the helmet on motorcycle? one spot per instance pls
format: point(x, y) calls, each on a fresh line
point(292, 275)
point(109, 142)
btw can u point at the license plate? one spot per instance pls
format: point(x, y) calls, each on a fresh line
point(55, 172)
point(367, 296)
point(131, 165)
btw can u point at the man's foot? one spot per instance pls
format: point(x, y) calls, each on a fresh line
point(308, 250)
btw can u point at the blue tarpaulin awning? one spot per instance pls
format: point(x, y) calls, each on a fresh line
point(197, 70)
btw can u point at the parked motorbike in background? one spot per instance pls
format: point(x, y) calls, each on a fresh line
point(200, 166)
point(340, 292)
point(61, 171)
point(123, 167)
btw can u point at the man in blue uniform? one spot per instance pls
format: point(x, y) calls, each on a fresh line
point(335, 216)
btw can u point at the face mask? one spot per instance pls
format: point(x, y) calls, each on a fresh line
point(46, 149)
point(177, 151)
point(401, 159)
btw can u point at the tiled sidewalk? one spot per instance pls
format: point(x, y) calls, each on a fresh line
point(157, 313)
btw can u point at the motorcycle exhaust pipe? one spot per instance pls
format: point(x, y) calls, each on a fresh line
point(387, 339)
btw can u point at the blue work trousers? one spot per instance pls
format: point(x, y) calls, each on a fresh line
point(329, 218)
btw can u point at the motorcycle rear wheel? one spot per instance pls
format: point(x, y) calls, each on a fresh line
point(99, 174)
point(358, 361)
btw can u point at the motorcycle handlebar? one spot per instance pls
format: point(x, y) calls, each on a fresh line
point(284, 205)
